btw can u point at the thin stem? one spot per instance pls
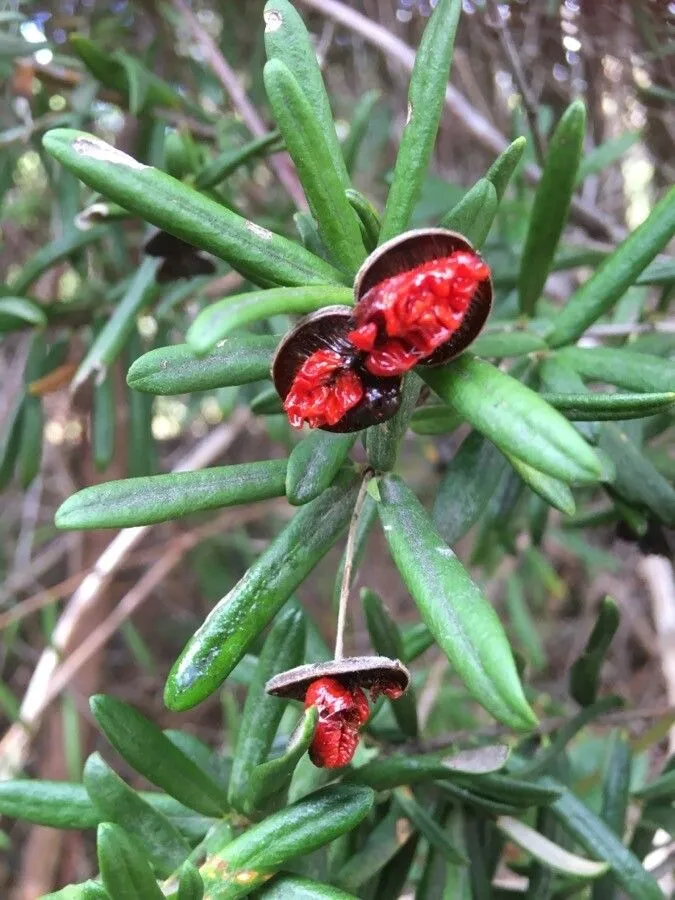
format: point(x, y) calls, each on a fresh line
point(349, 562)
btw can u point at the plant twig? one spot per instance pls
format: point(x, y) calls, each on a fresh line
point(349, 563)
point(224, 73)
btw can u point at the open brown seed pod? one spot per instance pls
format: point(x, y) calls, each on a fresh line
point(181, 260)
point(353, 671)
point(327, 329)
point(411, 249)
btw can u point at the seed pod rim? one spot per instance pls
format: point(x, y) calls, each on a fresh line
point(353, 671)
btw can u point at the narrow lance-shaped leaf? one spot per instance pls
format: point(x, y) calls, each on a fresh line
point(17, 312)
point(607, 153)
point(552, 490)
point(190, 884)
point(464, 624)
point(103, 421)
point(178, 370)
point(283, 649)
point(585, 673)
point(152, 754)
point(166, 849)
point(383, 442)
point(274, 776)
point(551, 204)
point(314, 464)
point(293, 887)
point(616, 274)
point(380, 846)
point(242, 614)
point(607, 407)
point(324, 188)
point(32, 418)
point(10, 441)
point(502, 169)
point(548, 853)
point(474, 214)
point(615, 794)
point(621, 366)
point(370, 220)
point(507, 343)
point(172, 206)
point(230, 160)
point(358, 128)
point(522, 623)
point(218, 319)
point(124, 869)
point(267, 402)
point(425, 823)
point(159, 498)
point(426, 94)
point(53, 253)
point(253, 857)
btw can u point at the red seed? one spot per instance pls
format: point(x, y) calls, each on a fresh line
point(323, 390)
point(342, 712)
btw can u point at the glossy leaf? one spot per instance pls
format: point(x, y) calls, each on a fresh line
point(426, 825)
point(159, 498)
point(172, 206)
point(616, 274)
point(507, 343)
point(124, 869)
point(585, 673)
point(426, 95)
point(383, 442)
point(283, 649)
point(607, 407)
point(502, 169)
point(242, 614)
point(292, 887)
point(287, 39)
point(463, 623)
point(387, 641)
point(474, 214)
point(514, 418)
point(177, 369)
point(551, 204)
point(323, 184)
point(370, 220)
point(625, 368)
point(555, 492)
point(548, 853)
point(314, 464)
point(252, 858)
point(163, 844)
point(508, 789)
point(151, 753)
point(17, 312)
point(274, 776)
point(472, 799)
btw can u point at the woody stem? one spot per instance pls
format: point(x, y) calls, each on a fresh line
point(349, 563)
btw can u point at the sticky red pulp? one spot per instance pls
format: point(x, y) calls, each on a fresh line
point(323, 390)
point(342, 712)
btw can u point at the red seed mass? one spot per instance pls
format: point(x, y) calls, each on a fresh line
point(342, 712)
point(323, 390)
point(403, 319)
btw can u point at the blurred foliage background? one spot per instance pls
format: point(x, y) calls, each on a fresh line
point(160, 78)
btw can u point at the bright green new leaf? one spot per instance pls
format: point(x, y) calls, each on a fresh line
point(426, 95)
point(159, 498)
point(324, 186)
point(253, 857)
point(585, 673)
point(151, 753)
point(283, 649)
point(463, 623)
point(269, 778)
point(241, 615)
point(616, 274)
point(548, 853)
point(124, 869)
point(178, 370)
point(153, 195)
point(474, 214)
point(161, 841)
point(369, 218)
point(514, 418)
point(502, 169)
point(551, 204)
point(314, 464)
point(621, 366)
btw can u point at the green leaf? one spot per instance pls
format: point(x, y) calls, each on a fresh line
point(267, 402)
point(616, 274)
point(514, 418)
point(57, 804)
point(606, 154)
point(292, 887)
point(621, 366)
point(323, 184)
point(10, 441)
point(108, 343)
point(380, 846)
point(383, 442)
point(358, 127)
point(463, 623)
point(599, 840)
point(637, 480)
point(474, 214)
point(661, 788)
point(138, 81)
point(178, 370)
point(510, 790)
point(160, 498)
point(387, 640)
point(370, 220)
point(426, 95)
point(507, 343)
point(236, 621)
point(190, 885)
point(124, 869)
point(230, 160)
point(585, 673)
point(32, 417)
point(270, 778)
point(283, 649)
point(172, 206)
point(502, 169)
point(314, 464)
point(551, 204)
point(416, 640)
point(165, 847)
point(391, 771)
point(287, 39)
point(548, 853)
point(425, 824)
point(221, 318)
point(17, 312)
point(151, 753)
point(87, 890)
point(522, 623)
point(555, 492)
point(607, 407)
point(615, 794)
point(53, 253)
point(103, 423)
point(475, 801)
point(250, 859)
point(434, 419)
